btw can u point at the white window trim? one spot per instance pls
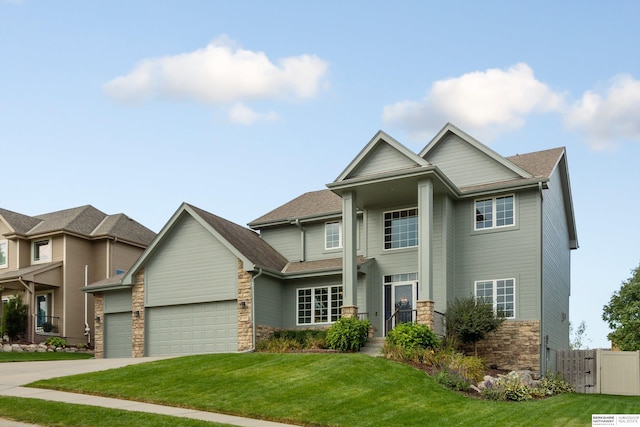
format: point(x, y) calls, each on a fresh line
point(49, 294)
point(494, 290)
point(329, 308)
point(383, 227)
point(6, 253)
point(493, 211)
point(339, 235)
point(33, 251)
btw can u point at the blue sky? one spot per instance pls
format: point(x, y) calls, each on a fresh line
point(237, 107)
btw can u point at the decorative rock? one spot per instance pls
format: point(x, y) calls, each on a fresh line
point(16, 348)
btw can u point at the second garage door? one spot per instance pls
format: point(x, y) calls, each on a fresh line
point(117, 335)
point(191, 329)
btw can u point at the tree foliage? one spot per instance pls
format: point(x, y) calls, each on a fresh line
point(578, 336)
point(470, 320)
point(623, 314)
point(14, 318)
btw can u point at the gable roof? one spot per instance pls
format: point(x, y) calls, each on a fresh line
point(309, 205)
point(245, 244)
point(403, 158)
point(85, 221)
point(450, 128)
point(540, 164)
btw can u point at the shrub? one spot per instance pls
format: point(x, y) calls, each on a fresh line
point(279, 345)
point(412, 335)
point(452, 379)
point(14, 318)
point(56, 342)
point(471, 368)
point(510, 387)
point(348, 334)
point(470, 320)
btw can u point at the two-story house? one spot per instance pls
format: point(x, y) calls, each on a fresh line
point(396, 237)
point(48, 259)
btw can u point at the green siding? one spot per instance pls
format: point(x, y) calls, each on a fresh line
point(511, 252)
point(269, 304)
point(190, 266)
point(285, 239)
point(466, 165)
point(117, 301)
point(382, 158)
point(556, 269)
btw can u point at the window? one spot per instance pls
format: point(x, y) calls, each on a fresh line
point(42, 250)
point(401, 229)
point(500, 293)
point(319, 305)
point(495, 212)
point(333, 235)
point(4, 257)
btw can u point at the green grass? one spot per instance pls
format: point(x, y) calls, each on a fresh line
point(36, 357)
point(327, 389)
point(47, 413)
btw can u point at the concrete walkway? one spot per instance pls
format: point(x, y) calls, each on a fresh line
point(14, 375)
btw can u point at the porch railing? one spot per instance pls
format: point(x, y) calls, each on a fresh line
point(401, 316)
point(47, 324)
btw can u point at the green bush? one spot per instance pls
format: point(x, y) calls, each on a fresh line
point(347, 334)
point(510, 387)
point(453, 380)
point(469, 320)
point(14, 318)
point(412, 335)
point(279, 345)
point(471, 368)
point(56, 342)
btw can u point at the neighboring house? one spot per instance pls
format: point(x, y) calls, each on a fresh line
point(396, 237)
point(48, 259)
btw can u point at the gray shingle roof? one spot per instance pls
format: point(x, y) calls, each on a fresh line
point(314, 203)
point(84, 220)
point(245, 241)
point(318, 265)
point(540, 164)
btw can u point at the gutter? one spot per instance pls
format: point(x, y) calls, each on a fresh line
point(253, 310)
point(87, 329)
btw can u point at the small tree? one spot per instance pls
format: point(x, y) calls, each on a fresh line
point(14, 319)
point(470, 320)
point(623, 314)
point(577, 336)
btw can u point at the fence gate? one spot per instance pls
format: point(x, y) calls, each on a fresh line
point(619, 372)
point(578, 368)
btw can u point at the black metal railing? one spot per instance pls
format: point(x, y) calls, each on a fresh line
point(47, 324)
point(401, 316)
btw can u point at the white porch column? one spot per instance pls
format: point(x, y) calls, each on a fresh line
point(425, 237)
point(349, 250)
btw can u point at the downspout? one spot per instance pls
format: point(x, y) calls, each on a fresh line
point(87, 330)
point(302, 239)
point(543, 340)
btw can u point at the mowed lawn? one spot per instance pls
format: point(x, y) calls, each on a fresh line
point(328, 389)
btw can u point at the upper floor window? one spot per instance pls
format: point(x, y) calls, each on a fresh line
point(495, 212)
point(500, 293)
point(4, 256)
point(319, 305)
point(401, 229)
point(333, 235)
point(42, 250)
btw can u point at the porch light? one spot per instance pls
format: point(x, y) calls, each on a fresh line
point(136, 313)
point(243, 304)
point(97, 319)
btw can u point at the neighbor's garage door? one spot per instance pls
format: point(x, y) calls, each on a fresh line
point(191, 328)
point(117, 334)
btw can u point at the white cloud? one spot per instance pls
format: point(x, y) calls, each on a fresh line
point(484, 103)
point(241, 114)
point(220, 73)
point(613, 115)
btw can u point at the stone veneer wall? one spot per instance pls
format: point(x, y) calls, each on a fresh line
point(424, 313)
point(98, 326)
point(515, 346)
point(245, 323)
point(137, 305)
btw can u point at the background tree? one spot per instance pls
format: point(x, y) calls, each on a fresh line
point(623, 314)
point(470, 320)
point(578, 336)
point(14, 318)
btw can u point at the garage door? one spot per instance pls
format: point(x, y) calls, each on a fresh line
point(117, 335)
point(191, 329)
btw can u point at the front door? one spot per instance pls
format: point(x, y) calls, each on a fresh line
point(399, 303)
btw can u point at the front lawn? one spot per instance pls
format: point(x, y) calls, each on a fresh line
point(11, 356)
point(327, 389)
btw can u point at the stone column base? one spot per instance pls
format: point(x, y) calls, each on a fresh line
point(425, 314)
point(349, 311)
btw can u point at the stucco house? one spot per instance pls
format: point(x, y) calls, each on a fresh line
point(47, 260)
point(396, 237)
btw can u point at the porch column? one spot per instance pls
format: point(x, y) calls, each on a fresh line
point(349, 255)
point(425, 253)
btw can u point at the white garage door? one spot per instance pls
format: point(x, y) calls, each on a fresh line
point(117, 335)
point(191, 329)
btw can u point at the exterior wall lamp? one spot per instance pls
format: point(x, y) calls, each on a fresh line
point(136, 313)
point(97, 319)
point(243, 304)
